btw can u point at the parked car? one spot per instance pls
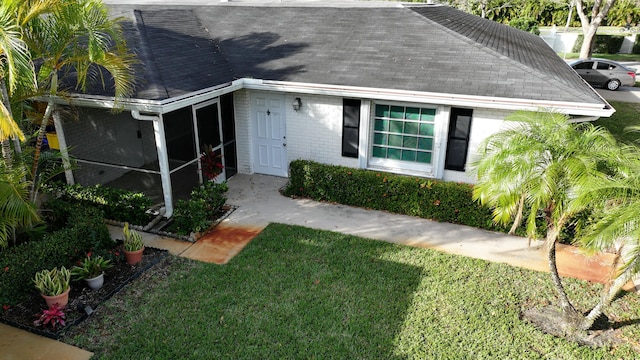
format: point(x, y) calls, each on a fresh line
point(606, 73)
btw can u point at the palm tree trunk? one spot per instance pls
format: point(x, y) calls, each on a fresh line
point(610, 291)
point(7, 154)
point(553, 232)
point(38, 148)
point(518, 219)
point(41, 133)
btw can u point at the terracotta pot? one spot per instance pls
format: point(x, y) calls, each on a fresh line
point(62, 300)
point(134, 257)
point(96, 282)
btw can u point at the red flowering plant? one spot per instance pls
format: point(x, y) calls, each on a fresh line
point(54, 317)
point(211, 163)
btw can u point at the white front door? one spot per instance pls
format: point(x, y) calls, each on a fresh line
point(269, 135)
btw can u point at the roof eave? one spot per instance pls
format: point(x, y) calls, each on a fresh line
point(469, 101)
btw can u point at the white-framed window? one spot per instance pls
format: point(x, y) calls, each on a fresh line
point(404, 136)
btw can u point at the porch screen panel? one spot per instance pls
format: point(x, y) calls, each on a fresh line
point(178, 128)
point(404, 133)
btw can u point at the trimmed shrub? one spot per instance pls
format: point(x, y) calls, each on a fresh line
point(85, 231)
point(427, 198)
point(197, 213)
point(117, 204)
point(604, 44)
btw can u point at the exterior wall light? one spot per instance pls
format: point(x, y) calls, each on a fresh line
point(297, 103)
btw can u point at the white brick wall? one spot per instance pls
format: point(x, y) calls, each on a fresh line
point(241, 103)
point(315, 131)
point(485, 122)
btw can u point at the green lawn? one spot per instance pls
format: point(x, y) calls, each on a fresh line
point(300, 293)
point(627, 114)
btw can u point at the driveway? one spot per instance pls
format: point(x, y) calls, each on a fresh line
point(625, 93)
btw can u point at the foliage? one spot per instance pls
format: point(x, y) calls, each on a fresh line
point(85, 231)
point(525, 23)
point(53, 316)
point(605, 44)
point(90, 267)
point(117, 204)
point(426, 198)
point(16, 210)
point(626, 115)
point(211, 163)
point(296, 293)
point(197, 213)
point(132, 239)
point(52, 282)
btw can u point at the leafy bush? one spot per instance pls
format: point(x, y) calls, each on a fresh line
point(527, 24)
point(604, 44)
point(197, 213)
point(427, 198)
point(85, 231)
point(117, 204)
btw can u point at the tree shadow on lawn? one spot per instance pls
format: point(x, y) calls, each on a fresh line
point(291, 293)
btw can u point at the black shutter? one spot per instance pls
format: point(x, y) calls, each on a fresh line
point(458, 139)
point(350, 127)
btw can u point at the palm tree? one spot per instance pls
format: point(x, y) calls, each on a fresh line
point(81, 40)
point(540, 163)
point(15, 208)
point(617, 227)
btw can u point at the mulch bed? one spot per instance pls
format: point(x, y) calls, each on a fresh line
point(82, 300)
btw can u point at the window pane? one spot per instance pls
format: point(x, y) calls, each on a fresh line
point(379, 152)
point(395, 140)
point(425, 144)
point(394, 154)
point(428, 114)
point(410, 142)
point(424, 157)
point(382, 110)
point(426, 129)
point(462, 127)
point(380, 139)
point(409, 155)
point(397, 112)
point(412, 113)
point(411, 128)
point(396, 126)
point(382, 125)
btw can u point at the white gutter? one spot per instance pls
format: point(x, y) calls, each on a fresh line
point(163, 157)
point(571, 108)
point(499, 103)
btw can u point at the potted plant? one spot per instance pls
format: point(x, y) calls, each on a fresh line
point(54, 286)
point(133, 245)
point(92, 271)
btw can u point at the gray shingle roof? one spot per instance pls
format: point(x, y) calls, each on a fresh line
point(429, 48)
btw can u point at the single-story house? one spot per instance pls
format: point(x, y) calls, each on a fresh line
point(408, 89)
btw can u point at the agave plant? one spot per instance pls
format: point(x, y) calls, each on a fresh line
point(132, 239)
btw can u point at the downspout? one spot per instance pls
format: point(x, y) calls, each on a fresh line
point(163, 157)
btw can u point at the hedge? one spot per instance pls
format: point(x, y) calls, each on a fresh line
point(117, 204)
point(604, 44)
point(427, 198)
point(85, 231)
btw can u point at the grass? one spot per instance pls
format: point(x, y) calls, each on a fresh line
point(301, 293)
point(626, 115)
